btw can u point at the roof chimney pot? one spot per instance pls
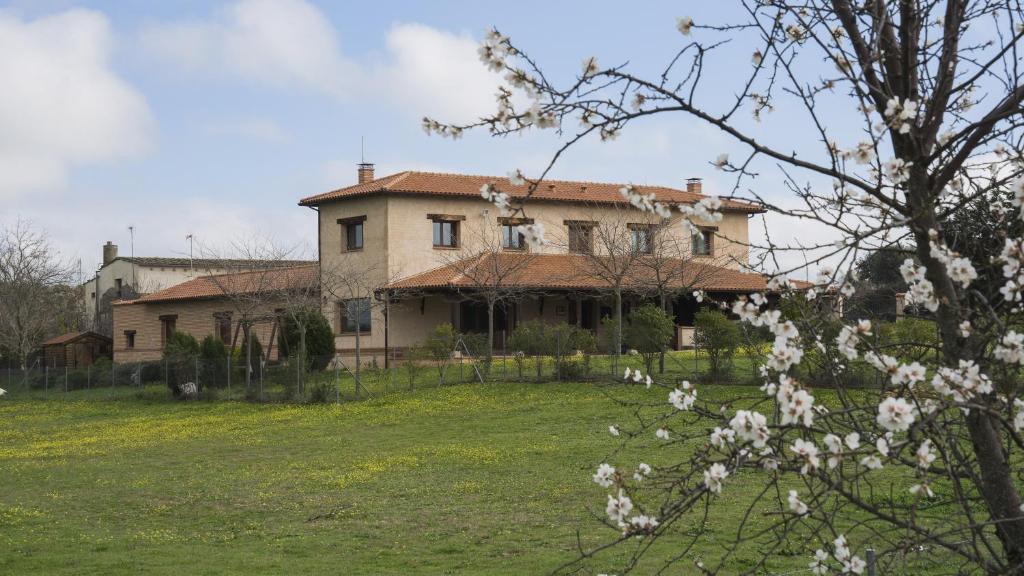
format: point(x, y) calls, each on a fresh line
point(109, 252)
point(365, 172)
point(693, 185)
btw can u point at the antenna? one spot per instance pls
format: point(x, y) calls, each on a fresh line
point(131, 234)
point(362, 149)
point(191, 264)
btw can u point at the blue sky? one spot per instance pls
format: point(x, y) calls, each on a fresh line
point(214, 119)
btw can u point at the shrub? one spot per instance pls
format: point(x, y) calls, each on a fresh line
point(323, 392)
point(753, 341)
point(180, 353)
point(908, 338)
point(440, 344)
point(530, 339)
point(649, 330)
point(718, 337)
point(319, 337)
point(606, 337)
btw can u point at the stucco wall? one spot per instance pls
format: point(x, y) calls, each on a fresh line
point(398, 243)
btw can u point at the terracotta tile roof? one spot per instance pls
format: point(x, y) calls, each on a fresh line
point(71, 337)
point(218, 285)
point(208, 263)
point(465, 185)
point(568, 272)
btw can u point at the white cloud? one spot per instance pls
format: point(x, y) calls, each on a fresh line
point(437, 73)
point(61, 104)
point(291, 43)
point(280, 43)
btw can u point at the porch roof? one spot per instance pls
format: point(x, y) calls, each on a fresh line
point(577, 272)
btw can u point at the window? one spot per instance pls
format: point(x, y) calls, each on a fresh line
point(642, 237)
point(355, 315)
point(117, 285)
point(446, 233)
point(704, 242)
point(222, 325)
point(129, 338)
point(511, 239)
point(167, 327)
point(352, 232)
point(581, 238)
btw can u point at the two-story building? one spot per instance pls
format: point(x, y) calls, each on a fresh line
point(403, 253)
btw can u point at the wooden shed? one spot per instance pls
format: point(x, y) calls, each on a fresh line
point(76, 349)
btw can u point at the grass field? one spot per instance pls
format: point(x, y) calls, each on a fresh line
point(467, 479)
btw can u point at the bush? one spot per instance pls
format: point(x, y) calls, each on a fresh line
point(180, 353)
point(908, 338)
point(649, 330)
point(323, 392)
point(606, 338)
point(319, 337)
point(440, 344)
point(719, 337)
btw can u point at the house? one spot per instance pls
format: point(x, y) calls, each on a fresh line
point(403, 253)
point(125, 277)
point(221, 305)
point(76, 349)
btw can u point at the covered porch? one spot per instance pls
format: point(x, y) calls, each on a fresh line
point(550, 288)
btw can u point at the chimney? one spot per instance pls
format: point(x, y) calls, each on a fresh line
point(693, 185)
point(365, 172)
point(109, 252)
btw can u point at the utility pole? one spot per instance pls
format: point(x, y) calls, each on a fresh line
point(131, 235)
point(191, 264)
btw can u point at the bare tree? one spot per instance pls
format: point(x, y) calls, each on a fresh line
point(911, 110)
point(33, 285)
point(609, 256)
point(492, 265)
point(259, 273)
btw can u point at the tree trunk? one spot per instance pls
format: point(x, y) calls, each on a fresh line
point(618, 330)
point(248, 355)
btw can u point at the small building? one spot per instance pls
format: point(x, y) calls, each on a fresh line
point(219, 305)
point(76, 349)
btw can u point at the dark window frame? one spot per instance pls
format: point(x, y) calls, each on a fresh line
point(576, 229)
point(168, 326)
point(344, 315)
point(222, 321)
point(707, 235)
point(437, 230)
point(129, 339)
point(647, 230)
point(353, 237)
point(511, 239)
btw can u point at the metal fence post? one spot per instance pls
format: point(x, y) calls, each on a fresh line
point(229, 375)
point(871, 562)
point(46, 379)
point(88, 376)
point(65, 379)
point(197, 372)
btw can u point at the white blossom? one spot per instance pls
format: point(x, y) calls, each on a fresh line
point(714, 476)
point(684, 24)
point(922, 490)
point(719, 437)
point(1010, 348)
point(806, 450)
point(757, 57)
point(819, 565)
point(682, 400)
point(516, 178)
point(897, 170)
point(590, 67)
point(721, 161)
point(642, 472)
point(662, 433)
point(619, 507)
point(925, 454)
point(895, 414)
point(750, 426)
point(613, 430)
point(605, 475)
point(533, 234)
point(797, 505)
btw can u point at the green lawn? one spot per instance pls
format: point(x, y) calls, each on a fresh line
point(467, 479)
